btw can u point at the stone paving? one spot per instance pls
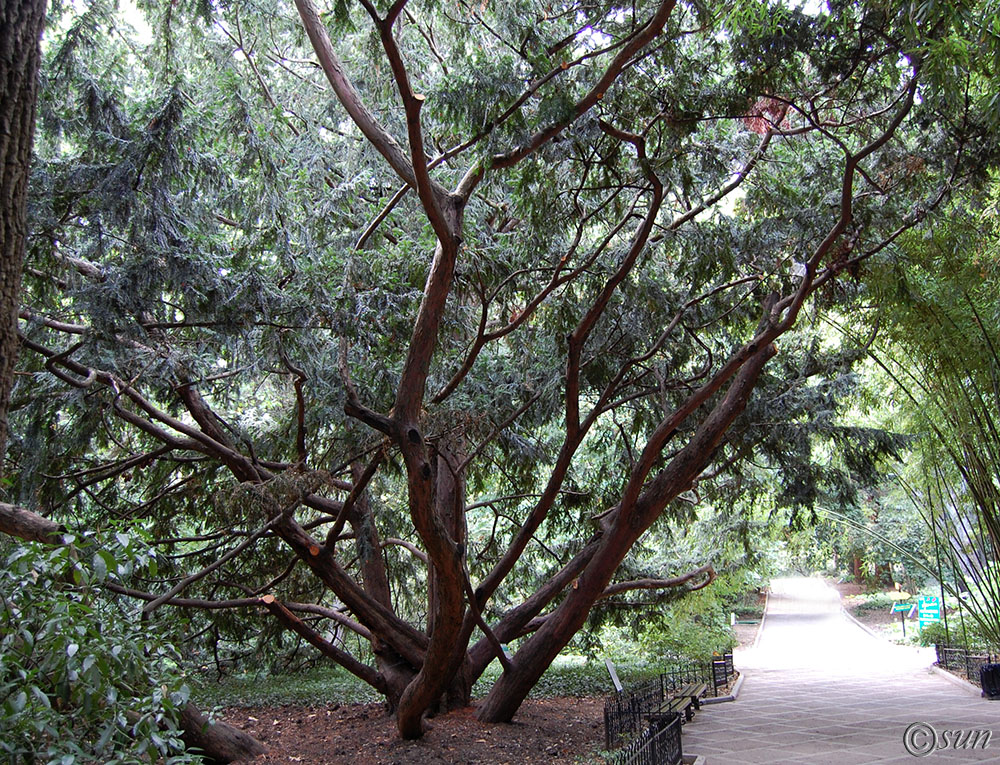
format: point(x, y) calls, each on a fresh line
point(818, 689)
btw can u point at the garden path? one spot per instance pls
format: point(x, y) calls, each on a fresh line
point(818, 689)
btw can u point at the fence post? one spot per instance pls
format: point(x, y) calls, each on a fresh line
point(607, 728)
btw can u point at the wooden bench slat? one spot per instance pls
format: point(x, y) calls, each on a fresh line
point(684, 702)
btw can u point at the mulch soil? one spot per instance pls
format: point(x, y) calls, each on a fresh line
point(554, 730)
point(874, 620)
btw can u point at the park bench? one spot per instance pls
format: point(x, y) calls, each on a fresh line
point(684, 702)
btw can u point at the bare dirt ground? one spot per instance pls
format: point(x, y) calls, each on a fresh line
point(879, 621)
point(745, 634)
point(558, 731)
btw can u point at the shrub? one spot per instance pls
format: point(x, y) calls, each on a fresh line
point(933, 633)
point(82, 680)
point(875, 601)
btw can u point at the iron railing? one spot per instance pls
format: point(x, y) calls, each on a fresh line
point(963, 661)
point(659, 744)
point(624, 711)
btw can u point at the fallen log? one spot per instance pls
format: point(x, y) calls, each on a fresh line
point(219, 742)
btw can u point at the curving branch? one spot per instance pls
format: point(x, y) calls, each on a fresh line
point(705, 573)
point(328, 649)
point(431, 195)
point(647, 33)
point(379, 137)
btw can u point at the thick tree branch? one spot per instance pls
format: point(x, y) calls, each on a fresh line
point(27, 525)
point(379, 137)
point(706, 573)
point(328, 649)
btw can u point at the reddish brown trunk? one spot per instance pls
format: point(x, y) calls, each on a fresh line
point(446, 607)
point(220, 743)
point(517, 619)
point(21, 23)
point(629, 524)
point(397, 672)
point(450, 503)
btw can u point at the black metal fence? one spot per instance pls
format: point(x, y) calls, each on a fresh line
point(716, 674)
point(624, 711)
point(963, 661)
point(659, 744)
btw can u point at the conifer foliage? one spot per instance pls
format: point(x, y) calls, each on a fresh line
point(342, 303)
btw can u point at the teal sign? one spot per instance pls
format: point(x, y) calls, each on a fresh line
point(928, 610)
point(901, 607)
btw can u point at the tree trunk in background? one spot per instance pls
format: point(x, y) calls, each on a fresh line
point(21, 24)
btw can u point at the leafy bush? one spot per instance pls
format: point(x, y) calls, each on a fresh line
point(82, 680)
point(933, 633)
point(876, 601)
point(970, 635)
point(749, 612)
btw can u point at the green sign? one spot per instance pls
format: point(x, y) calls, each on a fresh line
point(899, 607)
point(929, 610)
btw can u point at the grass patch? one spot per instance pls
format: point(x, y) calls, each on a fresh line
point(327, 684)
point(875, 601)
point(324, 684)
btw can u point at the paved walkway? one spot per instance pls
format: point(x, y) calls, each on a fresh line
point(818, 689)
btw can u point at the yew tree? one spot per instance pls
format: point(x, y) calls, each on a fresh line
point(402, 324)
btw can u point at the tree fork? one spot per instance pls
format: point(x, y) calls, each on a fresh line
point(537, 654)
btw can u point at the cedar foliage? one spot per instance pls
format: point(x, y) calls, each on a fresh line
point(406, 416)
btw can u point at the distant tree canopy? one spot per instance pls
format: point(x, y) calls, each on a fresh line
point(406, 322)
point(935, 343)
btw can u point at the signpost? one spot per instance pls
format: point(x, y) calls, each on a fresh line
point(929, 610)
point(614, 675)
point(902, 608)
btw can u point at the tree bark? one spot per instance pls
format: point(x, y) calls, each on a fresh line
point(438, 493)
point(220, 743)
point(21, 23)
point(397, 672)
point(24, 524)
point(537, 653)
